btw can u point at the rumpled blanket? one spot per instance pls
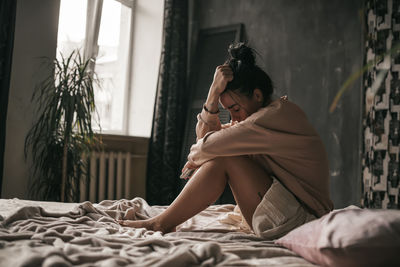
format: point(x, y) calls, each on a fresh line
point(89, 235)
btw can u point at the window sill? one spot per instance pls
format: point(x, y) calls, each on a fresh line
point(133, 144)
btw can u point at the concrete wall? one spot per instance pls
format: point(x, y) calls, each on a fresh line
point(35, 36)
point(309, 48)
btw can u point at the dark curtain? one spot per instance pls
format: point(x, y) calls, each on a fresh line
point(7, 25)
point(163, 181)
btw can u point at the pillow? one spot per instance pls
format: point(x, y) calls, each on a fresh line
point(348, 237)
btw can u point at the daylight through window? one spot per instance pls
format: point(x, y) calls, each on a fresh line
point(102, 32)
point(126, 50)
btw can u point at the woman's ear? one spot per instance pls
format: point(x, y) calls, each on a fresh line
point(258, 95)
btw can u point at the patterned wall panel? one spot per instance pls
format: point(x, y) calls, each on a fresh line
point(381, 162)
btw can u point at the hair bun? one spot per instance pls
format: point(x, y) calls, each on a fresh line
point(242, 52)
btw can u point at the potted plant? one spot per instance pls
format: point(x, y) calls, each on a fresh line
point(63, 132)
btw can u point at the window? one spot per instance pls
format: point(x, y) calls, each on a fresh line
point(126, 50)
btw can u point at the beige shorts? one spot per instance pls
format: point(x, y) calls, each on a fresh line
point(278, 213)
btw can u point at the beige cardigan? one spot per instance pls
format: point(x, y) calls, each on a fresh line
point(281, 139)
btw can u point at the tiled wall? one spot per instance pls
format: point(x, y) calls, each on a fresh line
point(381, 168)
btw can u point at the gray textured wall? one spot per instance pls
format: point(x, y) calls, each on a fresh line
point(309, 48)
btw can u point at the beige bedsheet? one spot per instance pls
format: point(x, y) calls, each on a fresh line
point(66, 234)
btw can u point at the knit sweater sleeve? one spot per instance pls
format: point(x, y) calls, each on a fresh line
point(253, 136)
point(206, 122)
point(244, 138)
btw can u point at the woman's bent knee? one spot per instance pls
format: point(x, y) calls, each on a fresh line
point(226, 162)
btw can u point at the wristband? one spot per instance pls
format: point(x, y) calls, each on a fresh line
point(205, 108)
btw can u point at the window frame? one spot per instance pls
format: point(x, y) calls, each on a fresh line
point(91, 50)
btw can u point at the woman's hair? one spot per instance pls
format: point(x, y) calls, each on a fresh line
point(247, 76)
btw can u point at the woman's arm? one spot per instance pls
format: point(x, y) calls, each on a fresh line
point(208, 119)
point(249, 137)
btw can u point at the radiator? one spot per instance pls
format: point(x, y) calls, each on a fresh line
point(108, 177)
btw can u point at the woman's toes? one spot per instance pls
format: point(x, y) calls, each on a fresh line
point(125, 222)
point(133, 224)
point(150, 224)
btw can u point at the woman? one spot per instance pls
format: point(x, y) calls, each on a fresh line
point(270, 155)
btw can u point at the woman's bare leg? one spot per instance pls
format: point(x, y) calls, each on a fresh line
point(247, 179)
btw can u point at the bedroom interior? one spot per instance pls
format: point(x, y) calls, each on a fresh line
point(309, 48)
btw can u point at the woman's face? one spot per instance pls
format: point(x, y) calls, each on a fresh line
point(240, 106)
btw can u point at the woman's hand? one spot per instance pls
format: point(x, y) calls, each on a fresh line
point(223, 74)
point(188, 170)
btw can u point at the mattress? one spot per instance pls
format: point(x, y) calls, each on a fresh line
point(34, 233)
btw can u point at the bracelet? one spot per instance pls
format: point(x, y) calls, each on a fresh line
point(205, 108)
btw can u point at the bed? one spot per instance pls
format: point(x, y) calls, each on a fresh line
point(36, 233)
point(63, 234)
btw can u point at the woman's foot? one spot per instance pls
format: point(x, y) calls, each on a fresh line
point(150, 224)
